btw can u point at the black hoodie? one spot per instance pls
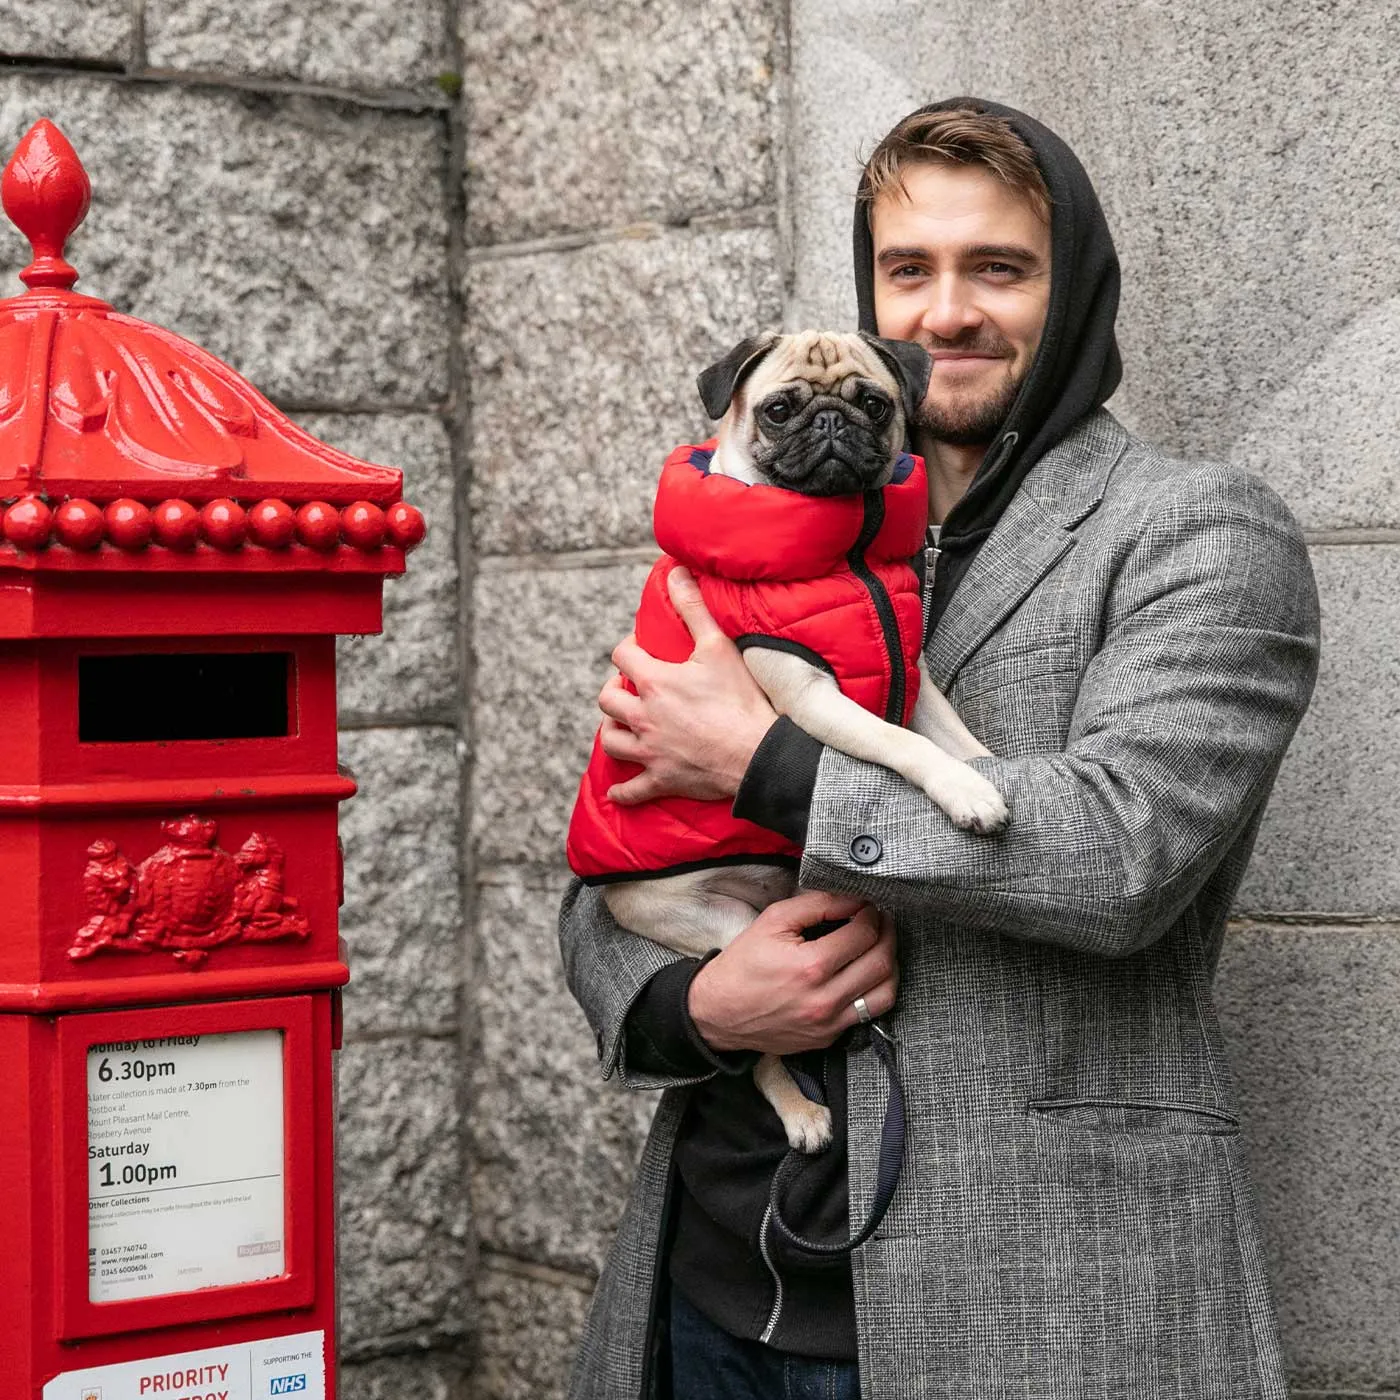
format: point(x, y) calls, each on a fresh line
point(732, 1141)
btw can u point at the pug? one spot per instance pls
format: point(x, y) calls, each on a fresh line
point(817, 414)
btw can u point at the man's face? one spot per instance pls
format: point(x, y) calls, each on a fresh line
point(962, 266)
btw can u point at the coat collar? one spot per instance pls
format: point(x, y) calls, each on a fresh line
point(1035, 531)
point(717, 525)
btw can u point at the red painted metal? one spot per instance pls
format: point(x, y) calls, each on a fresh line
point(155, 512)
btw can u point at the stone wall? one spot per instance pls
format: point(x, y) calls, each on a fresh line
point(1246, 156)
point(623, 231)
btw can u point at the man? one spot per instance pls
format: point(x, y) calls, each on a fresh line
point(1135, 639)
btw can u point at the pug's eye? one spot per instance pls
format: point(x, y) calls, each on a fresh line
point(876, 409)
point(777, 412)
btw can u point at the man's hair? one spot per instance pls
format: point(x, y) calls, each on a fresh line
point(958, 136)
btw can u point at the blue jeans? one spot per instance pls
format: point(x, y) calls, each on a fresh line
point(708, 1364)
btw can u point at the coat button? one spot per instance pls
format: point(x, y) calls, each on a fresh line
point(866, 850)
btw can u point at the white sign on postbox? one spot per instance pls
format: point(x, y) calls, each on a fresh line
point(186, 1182)
point(261, 1370)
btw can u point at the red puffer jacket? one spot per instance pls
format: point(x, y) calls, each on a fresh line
point(826, 577)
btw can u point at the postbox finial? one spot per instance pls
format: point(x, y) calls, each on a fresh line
point(46, 191)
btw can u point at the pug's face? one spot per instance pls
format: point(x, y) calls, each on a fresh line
point(818, 412)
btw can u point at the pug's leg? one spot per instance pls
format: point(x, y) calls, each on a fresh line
point(807, 1124)
point(687, 913)
point(812, 699)
point(937, 720)
point(705, 909)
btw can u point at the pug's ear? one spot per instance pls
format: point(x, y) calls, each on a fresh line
point(718, 383)
point(910, 365)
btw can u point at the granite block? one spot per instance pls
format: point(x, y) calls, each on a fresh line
point(543, 641)
point(584, 115)
point(1309, 1015)
point(425, 1376)
point(583, 366)
point(553, 1148)
point(530, 1326)
point(402, 918)
point(345, 43)
point(302, 241)
point(97, 30)
point(403, 1204)
point(412, 667)
point(1330, 834)
point(1242, 155)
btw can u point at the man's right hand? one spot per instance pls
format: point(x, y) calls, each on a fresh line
point(772, 990)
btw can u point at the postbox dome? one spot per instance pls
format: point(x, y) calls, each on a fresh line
point(117, 436)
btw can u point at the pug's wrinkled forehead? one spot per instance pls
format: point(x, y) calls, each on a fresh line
point(822, 359)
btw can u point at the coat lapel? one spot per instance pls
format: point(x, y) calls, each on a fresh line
point(1034, 533)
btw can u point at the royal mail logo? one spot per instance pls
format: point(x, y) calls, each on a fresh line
point(93, 1392)
point(286, 1385)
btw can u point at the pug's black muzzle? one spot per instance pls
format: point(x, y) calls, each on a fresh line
point(828, 449)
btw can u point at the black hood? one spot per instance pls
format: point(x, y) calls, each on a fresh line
point(1077, 365)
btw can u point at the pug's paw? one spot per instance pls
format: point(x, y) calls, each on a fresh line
point(970, 801)
point(809, 1128)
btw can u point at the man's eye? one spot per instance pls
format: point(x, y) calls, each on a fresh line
point(1002, 270)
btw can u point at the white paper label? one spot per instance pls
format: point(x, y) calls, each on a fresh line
point(185, 1164)
point(250, 1371)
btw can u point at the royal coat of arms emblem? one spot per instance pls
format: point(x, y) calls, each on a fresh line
point(187, 898)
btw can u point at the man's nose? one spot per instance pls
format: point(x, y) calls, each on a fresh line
point(951, 311)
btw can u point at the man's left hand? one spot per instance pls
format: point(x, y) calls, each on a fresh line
point(692, 725)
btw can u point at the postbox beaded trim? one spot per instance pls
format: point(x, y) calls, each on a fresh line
point(31, 523)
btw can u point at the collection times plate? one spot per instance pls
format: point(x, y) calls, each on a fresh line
point(185, 1164)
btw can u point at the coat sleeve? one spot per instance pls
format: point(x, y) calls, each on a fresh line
point(607, 970)
point(1205, 667)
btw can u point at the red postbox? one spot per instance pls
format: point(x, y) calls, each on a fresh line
point(177, 559)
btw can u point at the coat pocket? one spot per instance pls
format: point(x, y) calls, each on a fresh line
point(1149, 1117)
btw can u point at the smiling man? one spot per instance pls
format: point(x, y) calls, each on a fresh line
point(1135, 639)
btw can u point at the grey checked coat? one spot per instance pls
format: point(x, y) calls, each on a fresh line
point(1136, 641)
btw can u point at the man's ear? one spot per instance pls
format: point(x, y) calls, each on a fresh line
point(910, 365)
point(718, 383)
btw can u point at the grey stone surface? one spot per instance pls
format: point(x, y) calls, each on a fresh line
point(402, 914)
point(412, 667)
point(584, 115)
point(553, 1146)
point(1242, 153)
point(543, 641)
point(302, 241)
point(583, 368)
point(403, 1203)
point(63, 29)
point(429, 1376)
point(1329, 440)
point(529, 1332)
point(1330, 835)
point(1310, 1019)
point(346, 43)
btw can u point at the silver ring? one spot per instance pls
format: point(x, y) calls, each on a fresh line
point(862, 1011)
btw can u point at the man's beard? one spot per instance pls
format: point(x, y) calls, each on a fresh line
point(973, 423)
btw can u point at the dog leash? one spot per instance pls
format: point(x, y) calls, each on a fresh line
point(891, 1157)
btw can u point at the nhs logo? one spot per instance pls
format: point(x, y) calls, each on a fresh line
point(286, 1385)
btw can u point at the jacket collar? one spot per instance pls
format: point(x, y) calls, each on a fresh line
point(717, 525)
point(1035, 531)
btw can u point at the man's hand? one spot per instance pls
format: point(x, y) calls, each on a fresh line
point(694, 725)
point(771, 990)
